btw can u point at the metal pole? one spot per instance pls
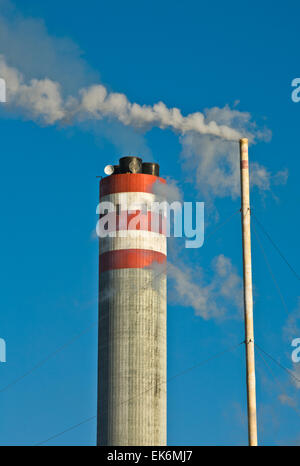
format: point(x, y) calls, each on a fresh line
point(248, 298)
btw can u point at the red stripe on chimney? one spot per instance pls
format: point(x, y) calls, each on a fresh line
point(130, 259)
point(128, 182)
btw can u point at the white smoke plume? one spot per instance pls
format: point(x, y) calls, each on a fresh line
point(96, 102)
point(212, 164)
point(263, 178)
point(42, 99)
point(169, 191)
point(220, 298)
point(48, 81)
point(291, 328)
point(287, 400)
point(28, 46)
point(209, 300)
point(209, 139)
point(296, 375)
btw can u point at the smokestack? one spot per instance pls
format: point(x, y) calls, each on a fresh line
point(132, 311)
point(248, 295)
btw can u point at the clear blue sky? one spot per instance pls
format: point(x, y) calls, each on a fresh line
point(192, 55)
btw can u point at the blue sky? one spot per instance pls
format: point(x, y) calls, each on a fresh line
point(193, 56)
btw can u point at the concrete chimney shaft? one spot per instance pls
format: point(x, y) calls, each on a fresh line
point(132, 318)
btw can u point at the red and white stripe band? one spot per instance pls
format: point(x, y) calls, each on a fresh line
point(134, 239)
point(137, 221)
point(128, 182)
point(135, 232)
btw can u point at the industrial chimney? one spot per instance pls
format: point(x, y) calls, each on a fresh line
point(132, 309)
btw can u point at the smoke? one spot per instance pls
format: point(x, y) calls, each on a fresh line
point(263, 178)
point(96, 102)
point(291, 328)
point(48, 81)
point(42, 100)
point(212, 164)
point(210, 152)
point(169, 192)
point(39, 68)
point(29, 47)
point(220, 298)
point(296, 374)
point(209, 300)
point(287, 400)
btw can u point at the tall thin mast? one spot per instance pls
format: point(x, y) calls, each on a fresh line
point(248, 298)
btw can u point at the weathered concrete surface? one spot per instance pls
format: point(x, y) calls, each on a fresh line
point(132, 357)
